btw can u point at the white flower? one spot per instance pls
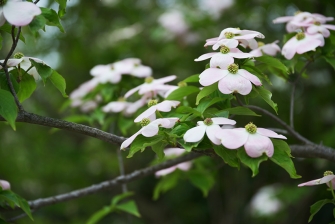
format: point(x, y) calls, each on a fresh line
point(164, 106)
point(269, 49)
point(5, 185)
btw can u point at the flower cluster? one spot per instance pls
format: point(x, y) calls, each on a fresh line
point(223, 68)
point(311, 31)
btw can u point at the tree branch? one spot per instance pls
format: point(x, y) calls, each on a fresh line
point(313, 151)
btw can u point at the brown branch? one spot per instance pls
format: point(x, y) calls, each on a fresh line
point(313, 151)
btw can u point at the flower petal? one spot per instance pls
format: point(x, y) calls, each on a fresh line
point(5, 185)
point(269, 133)
point(129, 140)
point(211, 75)
point(222, 120)
point(257, 144)
point(146, 114)
point(232, 138)
point(150, 130)
point(20, 13)
point(166, 105)
point(195, 134)
point(322, 180)
point(211, 131)
point(252, 78)
point(235, 83)
point(205, 56)
point(221, 60)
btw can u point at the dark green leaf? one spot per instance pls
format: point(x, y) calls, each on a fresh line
point(266, 96)
point(23, 204)
point(59, 82)
point(4, 84)
point(252, 163)
point(207, 103)
point(317, 206)
point(8, 109)
point(181, 92)
point(158, 148)
point(228, 156)
point(273, 62)
point(61, 8)
point(27, 87)
point(52, 18)
point(188, 146)
point(141, 142)
point(241, 111)
point(37, 23)
point(201, 180)
point(330, 60)
point(43, 70)
point(116, 199)
point(129, 207)
point(186, 110)
point(193, 78)
point(206, 91)
point(282, 157)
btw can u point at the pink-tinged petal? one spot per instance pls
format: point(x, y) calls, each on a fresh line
point(166, 171)
point(205, 56)
point(232, 138)
point(133, 107)
point(269, 133)
point(184, 166)
point(146, 114)
point(236, 53)
point(212, 39)
point(222, 120)
point(5, 185)
point(195, 134)
point(165, 79)
point(257, 52)
point(235, 83)
point(211, 131)
point(115, 107)
point(309, 45)
point(212, 75)
point(283, 19)
point(257, 144)
point(173, 152)
point(166, 122)
point(290, 48)
point(230, 43)
point(329, 26)
point(271, 49)
point(150, 130)
point(166, 105)
point(252, 43)
point(221, 60)
point(252, 78)
point(141, 71)
point(132, 91)
point(322, 180)
point(20, 13)
point(209, 43)
point(99, 70)
point(246, 36)
point(129, 140)
point(12, 62)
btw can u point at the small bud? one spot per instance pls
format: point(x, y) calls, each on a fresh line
point(224, 49)
point(148, 79)
point(300, 36)
point(327, 173)
point(18, 55)
point(233, 68)
point(251, 128)
point(152, 103)
point(145, 122)
point(182, 84)
point(229, 35)
point(208, 122)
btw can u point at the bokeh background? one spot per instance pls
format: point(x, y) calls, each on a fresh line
point(166, 35)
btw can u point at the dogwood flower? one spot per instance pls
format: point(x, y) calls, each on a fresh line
point(269, 49)
point(232, 79)
point(5, 185)
point(255, 140)
point(17, 12)
point(164, 106)
point(210, 126)
point(85, 88)
point(301, 43)
point(152, 85)
point(320, 28)
point(328, 177)
point(228, 51)
point(174, 152)
point(150, 128)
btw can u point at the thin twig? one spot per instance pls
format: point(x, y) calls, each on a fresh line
point(122, 171)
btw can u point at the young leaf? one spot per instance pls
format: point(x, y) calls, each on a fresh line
point(188, 146)
point(201, 180)
point(141, 142)
point(282, 157)
point(97, 216)
point(158, 148)
point(252, 163)
point(206, 91)
point(317, 206)
point(241, 111)
point(37, 23)
point(193, 78)
point(59, 82)
point(8, 109)
point(43, 70)
point(116, 199)
point(27, 87)
point(330, 60)
point(266, 96)
point(207, 103)
point(273, 62)
point(129, 207)
point(61, 8)
point(52, 18)
point(181, 92)
point(23, 204)
point(228, 156)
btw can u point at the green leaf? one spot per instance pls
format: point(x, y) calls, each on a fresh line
point(334, 213)
point(206, 91)
point(186, 110)
point(282, 157)
point(273, 62)
point(207, 103)
point(181, 92)
point(158, 148)
point(37, 23)
point(141, 142)
point(166, 183)
point(43, 70)
point(23, 204)
point(201, 180)
point(61, 8)
point(129, 207)
point(97, 216)
point(27, 87)
point(179, 130)
point(4, 84)
point(330, 60)
point(317, 206)
point(257, 72)
point(228, 156)
point(116, 199)
point(1, 41)
point(59, 82)
point(266, 96)
point(14, 199)
point(8, 29)
point(52, 18)
point(193, 78)
point(252, 163)
point(241, 111)
point(8, 109)
point(188, 146)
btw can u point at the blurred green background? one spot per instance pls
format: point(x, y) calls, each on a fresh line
point(40, 162)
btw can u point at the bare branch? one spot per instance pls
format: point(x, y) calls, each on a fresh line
point(313, 151)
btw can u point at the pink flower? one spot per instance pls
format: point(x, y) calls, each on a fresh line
point(5, 185)
point(226, 56)
point(152, 85)
point(301, 43)
point(174, 152)
point(150, 128)
point(328, 177)
point(320, 28)
point(164, 106)
point(230, 80)
point(210, 126)
point(77, 95)
point(127, 107)
point(269, 49)
point(256, 141)
point(18, 13)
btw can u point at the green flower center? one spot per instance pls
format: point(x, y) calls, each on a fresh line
point(121, 99)
point(317, 23)
point(251, 128)
point(3, 2)
point(229, 35)
point(145, 122)
point(260, 43)
point(327, 173)
point(18, 55)
point(148, 79)
point(224, 49)
point(297, 12)
point(208, 122)
point(233, 68)
point(152, 103)
point(182, 84)
point(300, 36)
